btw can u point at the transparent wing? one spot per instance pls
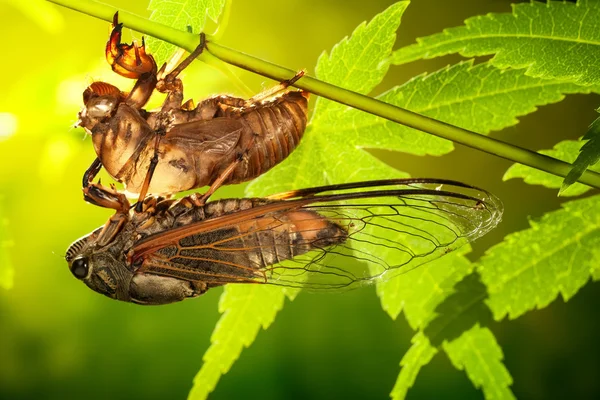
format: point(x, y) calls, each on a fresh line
point(359, 234)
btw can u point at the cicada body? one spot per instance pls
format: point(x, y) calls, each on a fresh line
point(179, 147)
point(325, 238)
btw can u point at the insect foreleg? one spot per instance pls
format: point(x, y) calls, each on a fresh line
point(91, 172)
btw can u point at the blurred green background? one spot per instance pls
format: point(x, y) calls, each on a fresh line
point(60, 340)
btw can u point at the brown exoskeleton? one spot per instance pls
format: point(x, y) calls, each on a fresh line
point(309, 238)
point(223, 140)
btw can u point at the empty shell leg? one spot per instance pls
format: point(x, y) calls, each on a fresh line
point(218, 182)
point(101, 196)
point(91, 172)
point(144, 190)
point(274, 90)
point(131, 61)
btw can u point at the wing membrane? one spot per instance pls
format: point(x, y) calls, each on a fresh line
point(357, 234)
point(218, 135)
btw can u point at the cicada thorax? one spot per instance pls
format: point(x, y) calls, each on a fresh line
point(241, 252)
point(120, 142)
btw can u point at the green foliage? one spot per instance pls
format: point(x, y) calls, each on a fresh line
point(6, 268)
point(420, 354)
point(445, 301)
point(455, 326)
point(477, 352)
point(480, 98)
point(566, 150)
point(245, 310)
point(356, 63)
point(554, 40)
point(180, 14)
point(421, 291)
point(589, 155)
point(296, 174)
point(558, 254)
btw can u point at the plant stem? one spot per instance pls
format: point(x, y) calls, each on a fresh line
point(393, 113)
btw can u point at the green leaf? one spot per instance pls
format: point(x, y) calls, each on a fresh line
point(477, 352)
point(328, 153)
point(459, 311)
point(180, 14)
point(589, 155)
point(481, 98)
point(420, 354)
point(421, 290)
point(302, 169)
point(245, 310)
point(558, 40)
point(6, 268)
point(558, 254)
point(567, 151)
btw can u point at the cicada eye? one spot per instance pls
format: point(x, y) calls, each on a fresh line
point(101, 107)
point(80, 268)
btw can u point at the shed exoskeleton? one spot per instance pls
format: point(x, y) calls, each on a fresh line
point(222, 140)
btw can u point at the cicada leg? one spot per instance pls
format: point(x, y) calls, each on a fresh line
point(148, 178)
point(217, 183)
point(99, 195)
point(91, 172)
point(275, 90)
point(131, 61)
point(171, 84)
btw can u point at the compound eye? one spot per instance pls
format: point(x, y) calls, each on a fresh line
point(101, 107)
point(80, 268)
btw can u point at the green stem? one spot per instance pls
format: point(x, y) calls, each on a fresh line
point(405, 117)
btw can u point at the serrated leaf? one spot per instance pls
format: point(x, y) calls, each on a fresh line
point(481, 98)
point(477, 352)
point(420, 354)
point(557, 254)
point(566, 150)
point(360, 62)
point(421, 290)
point(379, 34)
point(6, 267)
point(588, 155)
point(554, 40)
point(459, 311)
point(327, 153)
point(245, 310)
point(180, 14)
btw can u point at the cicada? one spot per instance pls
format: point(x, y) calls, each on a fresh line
point(324, 238)
point(222, 140)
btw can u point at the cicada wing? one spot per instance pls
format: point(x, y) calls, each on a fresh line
point(354, 236)
point(217, 136)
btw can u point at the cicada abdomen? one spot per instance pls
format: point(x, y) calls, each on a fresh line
point(241, 252)
point(273, 130)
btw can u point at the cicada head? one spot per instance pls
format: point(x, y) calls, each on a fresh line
point(100, 101)
point(99, 268)
point(105, 270)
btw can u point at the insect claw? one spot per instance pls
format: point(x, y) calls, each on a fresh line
point(128, 60)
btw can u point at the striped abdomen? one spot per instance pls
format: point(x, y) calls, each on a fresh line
point(274, 130)
point(242, 252)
